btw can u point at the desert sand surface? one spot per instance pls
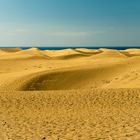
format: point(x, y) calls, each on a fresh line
point(70, 94)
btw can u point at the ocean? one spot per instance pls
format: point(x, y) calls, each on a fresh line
point(61, 48)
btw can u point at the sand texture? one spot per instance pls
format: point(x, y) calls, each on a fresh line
point(70, 94)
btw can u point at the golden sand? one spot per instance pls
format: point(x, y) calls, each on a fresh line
point(71, 94)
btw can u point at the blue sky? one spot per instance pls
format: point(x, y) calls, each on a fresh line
point(69, 22)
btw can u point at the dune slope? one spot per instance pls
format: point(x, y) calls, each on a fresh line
point(71, 94)
point(34, 69)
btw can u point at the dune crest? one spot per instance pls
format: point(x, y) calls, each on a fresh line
point(10, 50)
point(69, 69)
point(32, 53)
point(10, 53)
point(65, 54)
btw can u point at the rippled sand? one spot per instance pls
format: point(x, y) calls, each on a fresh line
point(70, 115)
point(71, 94)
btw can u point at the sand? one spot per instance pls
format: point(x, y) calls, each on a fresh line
point(70, 94)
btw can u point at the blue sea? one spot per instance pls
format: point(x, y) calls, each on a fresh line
point(61, 48)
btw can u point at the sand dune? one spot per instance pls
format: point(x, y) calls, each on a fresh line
point(32, 53)
point(13, 53)
point(2, 52)
point(132, 52)
point(88, 51)
point(10, 50)
point(68, 94)
point(107, 53)
point(41, 70)
point(65, 54)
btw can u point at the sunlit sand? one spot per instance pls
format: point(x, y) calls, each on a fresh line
point(70, 94)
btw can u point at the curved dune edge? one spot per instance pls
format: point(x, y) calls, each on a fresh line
point(32, 53)
point(115, 75)
point(10, 50)
point(69, 69)
point(70, 94)
point(17, 53)
point(65, 54)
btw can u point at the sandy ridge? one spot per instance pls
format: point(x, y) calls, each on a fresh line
point(60, 69)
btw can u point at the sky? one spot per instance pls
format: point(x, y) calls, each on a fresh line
point(69, 22)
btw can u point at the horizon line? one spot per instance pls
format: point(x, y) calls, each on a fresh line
point(71, 46)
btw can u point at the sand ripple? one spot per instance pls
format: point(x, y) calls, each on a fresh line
point(70, 115)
